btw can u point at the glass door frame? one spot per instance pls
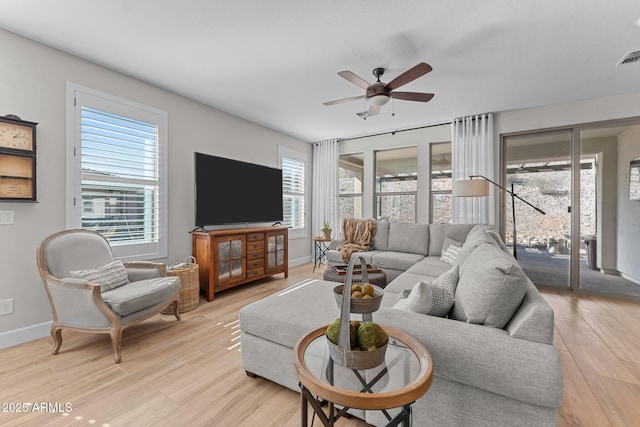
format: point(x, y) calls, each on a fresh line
point(502, 198)
point(576, 129)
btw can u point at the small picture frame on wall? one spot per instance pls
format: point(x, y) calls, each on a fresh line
point(634, 179)
point(17, 159)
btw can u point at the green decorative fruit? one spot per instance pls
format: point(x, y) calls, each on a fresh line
point(371, 334)
point(333, 333)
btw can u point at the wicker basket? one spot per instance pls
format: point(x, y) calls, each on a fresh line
point(189, 286)
point(342, 353)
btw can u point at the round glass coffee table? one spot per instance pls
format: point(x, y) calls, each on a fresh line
point(405, 375)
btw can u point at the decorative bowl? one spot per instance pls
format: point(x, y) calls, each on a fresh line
point(357, 359)
point(360, 305)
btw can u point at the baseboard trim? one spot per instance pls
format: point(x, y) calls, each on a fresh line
point(26, 334)
point(630, 278)
point(299, 261)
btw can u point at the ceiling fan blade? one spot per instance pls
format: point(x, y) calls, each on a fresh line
point(412, 96)
point(373, 110)
point(408, 76)
point(340, 101)
point(356, 80)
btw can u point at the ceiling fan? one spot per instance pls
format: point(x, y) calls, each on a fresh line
point(379, 93)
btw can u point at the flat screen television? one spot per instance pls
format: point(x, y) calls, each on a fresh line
point(230, 191)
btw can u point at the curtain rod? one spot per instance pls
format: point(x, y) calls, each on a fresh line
point(393, 132)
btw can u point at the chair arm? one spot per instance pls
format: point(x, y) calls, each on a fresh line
point(142, 270)
point(78, 303)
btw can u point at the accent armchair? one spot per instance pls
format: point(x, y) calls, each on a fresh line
point(89, 291)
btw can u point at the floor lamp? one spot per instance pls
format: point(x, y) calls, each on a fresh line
point(480, 188)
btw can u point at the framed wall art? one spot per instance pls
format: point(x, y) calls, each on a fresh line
point(17, 159)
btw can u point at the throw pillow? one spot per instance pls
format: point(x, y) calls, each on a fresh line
point(451, 254)
point(448, 242)
point(491, 287)
point(499, 241)
point(435, 298)
point(109, 276)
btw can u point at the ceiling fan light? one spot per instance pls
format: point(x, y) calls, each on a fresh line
point(379, 100)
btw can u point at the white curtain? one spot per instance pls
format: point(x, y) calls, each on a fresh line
point(325, 187)
point(473, 154)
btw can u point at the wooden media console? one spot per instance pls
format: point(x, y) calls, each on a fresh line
point(232, 257)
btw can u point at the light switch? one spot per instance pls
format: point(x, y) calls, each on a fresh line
point(6, 217)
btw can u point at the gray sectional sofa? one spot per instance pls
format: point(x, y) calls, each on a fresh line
point(493, 357)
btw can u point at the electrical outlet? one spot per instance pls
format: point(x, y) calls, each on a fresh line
point(6, 306)
point(6, 217)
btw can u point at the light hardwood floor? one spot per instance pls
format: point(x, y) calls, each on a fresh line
point(188, 372)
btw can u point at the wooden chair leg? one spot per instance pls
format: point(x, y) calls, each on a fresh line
point(116, 343)
point(176, 303)
point(56, 334)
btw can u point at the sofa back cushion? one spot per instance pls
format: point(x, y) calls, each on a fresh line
point(409, 238)
point(439, 232)
point(491, 287)
point(381, 236)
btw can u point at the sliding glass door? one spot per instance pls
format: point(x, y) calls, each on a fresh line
point(610, 210)
point(587, 181)
point(538, 169)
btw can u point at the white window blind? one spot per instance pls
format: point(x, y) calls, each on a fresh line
point(118, 151)
point(293, 167)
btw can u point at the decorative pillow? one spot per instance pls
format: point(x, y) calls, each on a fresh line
point(475, 238)
point(491, 287)
point(435, 298)
point(448, 242)
point(449, 256)
point(499, 241)
point(109, 276)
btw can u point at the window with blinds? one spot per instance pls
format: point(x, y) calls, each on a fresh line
point(118, 155)
point(293, 165)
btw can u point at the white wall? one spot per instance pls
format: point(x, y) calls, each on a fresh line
point(32, 86)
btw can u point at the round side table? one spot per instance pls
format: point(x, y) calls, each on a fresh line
point(405, 376)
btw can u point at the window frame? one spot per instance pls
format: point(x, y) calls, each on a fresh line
point(302, 158)
point(351, 195)
point(78, 96)
point(433, 192)
point(377, 193)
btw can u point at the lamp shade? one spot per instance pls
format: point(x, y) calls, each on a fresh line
point(379, 100)
point(471, 188)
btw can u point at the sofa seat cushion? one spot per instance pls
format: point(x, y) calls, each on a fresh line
point(396, 260)
point(137, 296)
point(401, 283)
point(286, 316)
point(431, 266)
point(409, 238)
point(490, 289)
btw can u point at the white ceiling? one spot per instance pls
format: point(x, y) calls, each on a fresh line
point(275, 62)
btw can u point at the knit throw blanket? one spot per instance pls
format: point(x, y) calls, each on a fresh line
point(357, 235)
